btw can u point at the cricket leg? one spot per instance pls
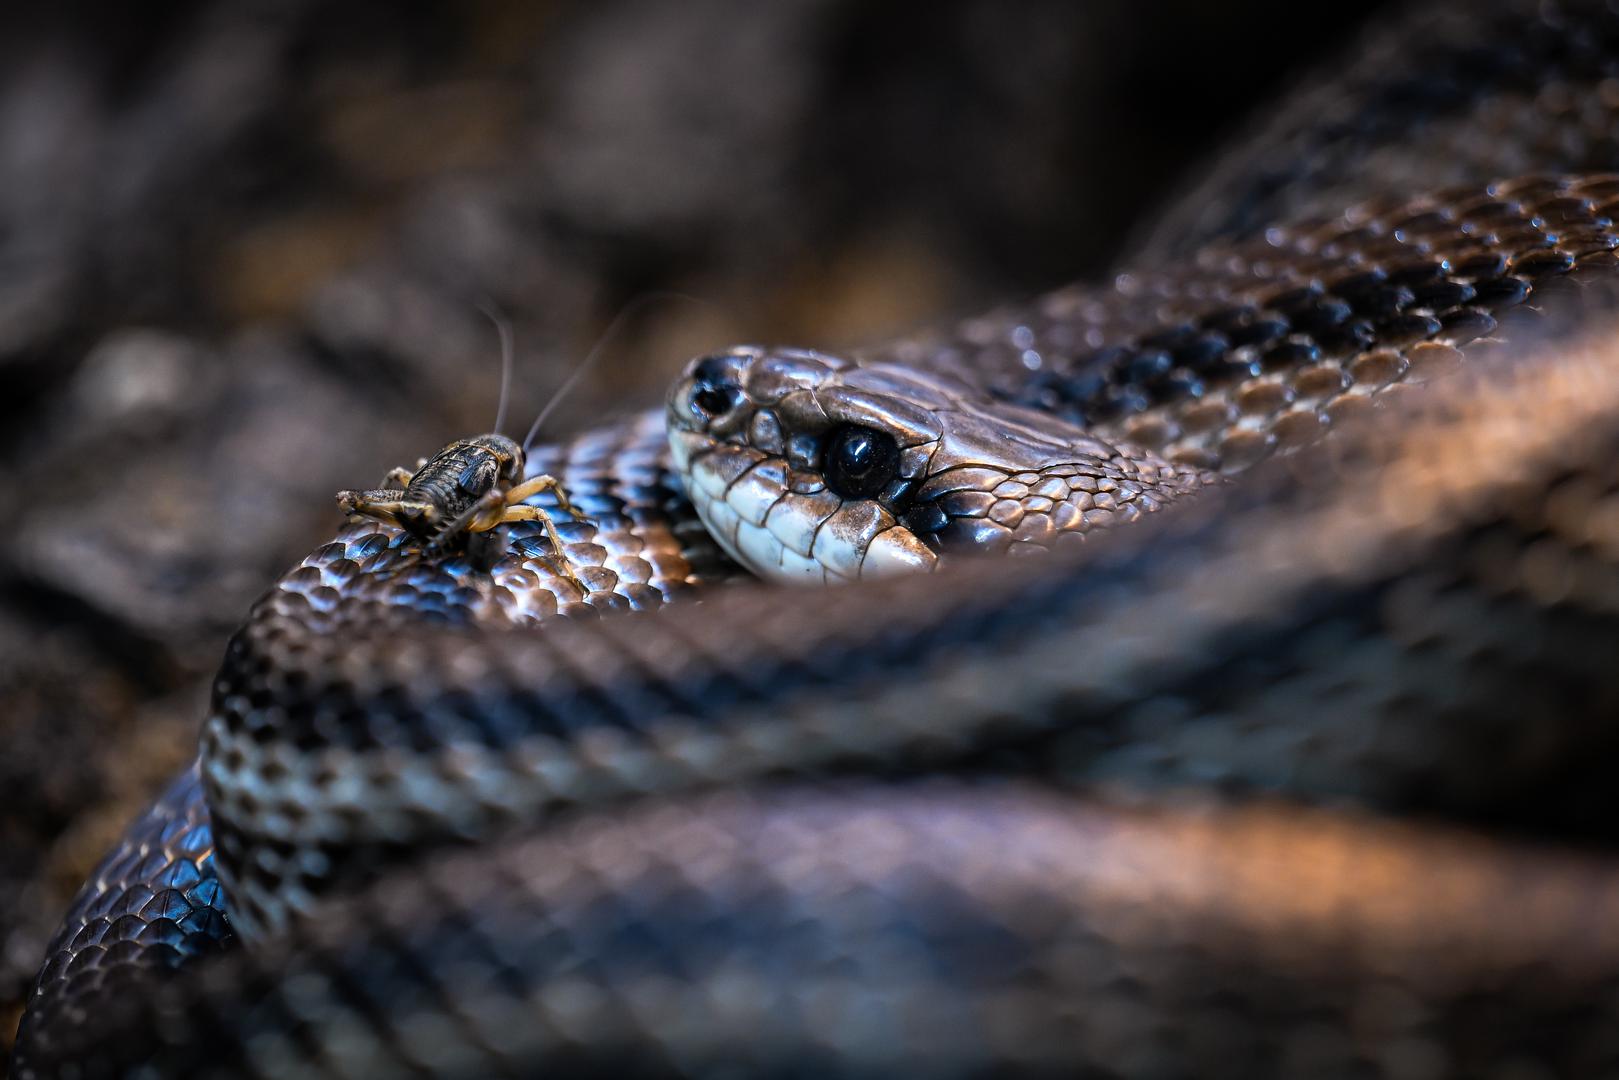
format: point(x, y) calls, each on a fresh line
point(382, 504)
point(536, 484)
point(535, 513)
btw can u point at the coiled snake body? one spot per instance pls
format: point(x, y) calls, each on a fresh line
point(1126, 807)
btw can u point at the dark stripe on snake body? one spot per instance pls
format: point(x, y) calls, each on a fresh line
point(1056, 939)
point(1418, 616)
point(1404, 109)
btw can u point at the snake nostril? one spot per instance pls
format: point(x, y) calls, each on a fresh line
point(712, 400)
point(716, 387)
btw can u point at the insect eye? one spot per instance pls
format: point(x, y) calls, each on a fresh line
point(860, 461)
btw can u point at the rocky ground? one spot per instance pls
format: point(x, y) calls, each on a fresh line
point(243, 244)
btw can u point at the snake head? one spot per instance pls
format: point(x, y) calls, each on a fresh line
point(811, 467)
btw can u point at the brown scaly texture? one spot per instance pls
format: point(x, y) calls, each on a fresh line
point(1418, 618)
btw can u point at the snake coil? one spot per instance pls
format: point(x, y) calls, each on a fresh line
point(1290, 757)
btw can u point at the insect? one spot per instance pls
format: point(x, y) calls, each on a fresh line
point(470, 485)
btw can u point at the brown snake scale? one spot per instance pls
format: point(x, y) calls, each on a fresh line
point(1293, 757)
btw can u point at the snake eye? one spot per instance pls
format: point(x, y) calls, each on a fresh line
point(860, 461)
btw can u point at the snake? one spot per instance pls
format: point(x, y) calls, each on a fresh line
point(1203, 672)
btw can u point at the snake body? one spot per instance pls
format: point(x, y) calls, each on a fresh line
point(1124, 807)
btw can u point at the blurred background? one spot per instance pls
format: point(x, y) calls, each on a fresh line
point(242, 245)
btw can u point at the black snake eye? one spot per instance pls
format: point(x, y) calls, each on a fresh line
point(860, 461)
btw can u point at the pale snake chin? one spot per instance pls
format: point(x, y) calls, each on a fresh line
point(1284, 751)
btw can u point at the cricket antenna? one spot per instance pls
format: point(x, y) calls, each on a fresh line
point(613, 328)
point(503, 327)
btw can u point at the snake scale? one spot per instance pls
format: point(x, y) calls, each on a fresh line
point(1291, 757)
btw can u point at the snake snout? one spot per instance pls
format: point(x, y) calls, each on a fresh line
point(798, 476)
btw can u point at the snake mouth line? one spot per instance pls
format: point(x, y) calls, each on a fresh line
point(804, 536)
